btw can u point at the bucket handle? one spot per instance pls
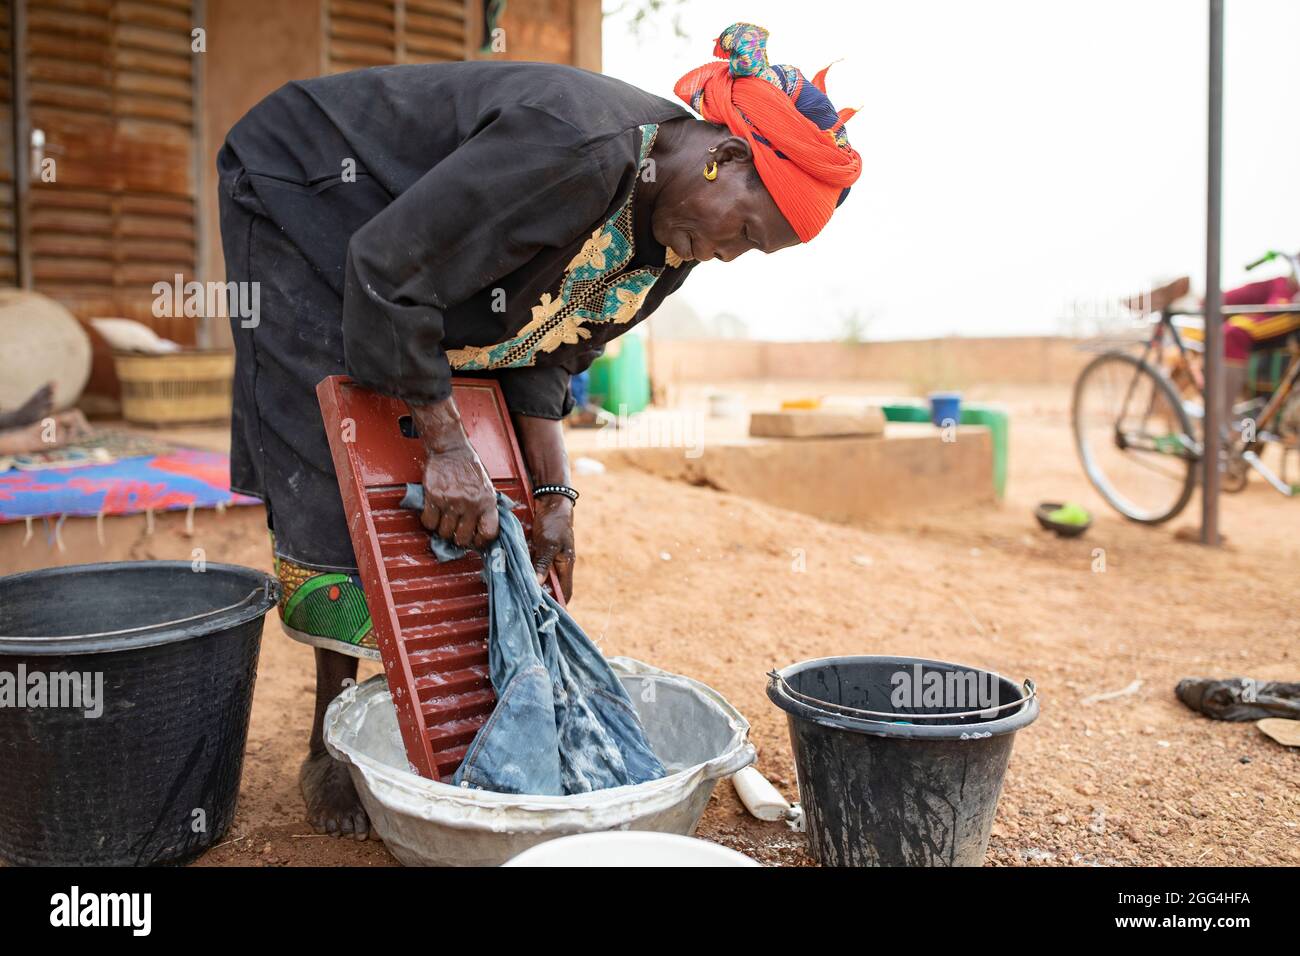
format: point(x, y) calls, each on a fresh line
point(261, 589)
point(874, 715)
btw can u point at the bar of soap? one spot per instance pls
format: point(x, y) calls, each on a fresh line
point(817, 423)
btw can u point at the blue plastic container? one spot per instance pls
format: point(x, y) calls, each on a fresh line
point(945, 408)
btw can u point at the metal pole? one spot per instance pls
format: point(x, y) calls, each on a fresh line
point(1213, 297)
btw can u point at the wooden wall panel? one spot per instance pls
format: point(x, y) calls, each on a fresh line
point(435, 31)
point(538, 30)
point(8, 197)
point(110, 83)
point(361, 33)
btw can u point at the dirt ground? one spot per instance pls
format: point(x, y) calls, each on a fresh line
point(706, 584)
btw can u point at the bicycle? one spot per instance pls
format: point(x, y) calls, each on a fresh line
point(1142, 453)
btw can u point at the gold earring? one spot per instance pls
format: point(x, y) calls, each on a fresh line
point(711, 171)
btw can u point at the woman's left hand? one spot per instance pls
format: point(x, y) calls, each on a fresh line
point(552, 540)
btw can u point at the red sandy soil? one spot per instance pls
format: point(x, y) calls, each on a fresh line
point(704, 583)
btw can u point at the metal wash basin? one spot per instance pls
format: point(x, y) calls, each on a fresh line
point(698, 735)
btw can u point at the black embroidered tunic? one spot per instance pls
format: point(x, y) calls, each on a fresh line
point(473, 217)
point(403, 224)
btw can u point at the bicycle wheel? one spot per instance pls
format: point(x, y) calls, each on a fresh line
point(1134, 437)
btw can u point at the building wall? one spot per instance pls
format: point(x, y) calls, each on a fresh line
point(923, 364)
point(554, 31)
point(255, 46)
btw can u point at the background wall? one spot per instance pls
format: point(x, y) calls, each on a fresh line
point(921, 365)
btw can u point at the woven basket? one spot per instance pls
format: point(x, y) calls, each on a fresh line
point(179, 387)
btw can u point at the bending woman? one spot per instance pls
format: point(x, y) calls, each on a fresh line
point(409, 223)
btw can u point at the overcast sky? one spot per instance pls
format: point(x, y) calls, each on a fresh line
point(1024, 160)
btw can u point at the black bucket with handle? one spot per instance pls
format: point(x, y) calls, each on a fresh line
point(125, 692)
point(900, 760)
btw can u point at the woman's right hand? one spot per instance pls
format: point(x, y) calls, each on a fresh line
point(459, 500)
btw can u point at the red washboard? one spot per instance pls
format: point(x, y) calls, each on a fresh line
point(430, 619)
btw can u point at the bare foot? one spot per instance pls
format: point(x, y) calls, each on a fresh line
point(54, 431)
point(333, 806)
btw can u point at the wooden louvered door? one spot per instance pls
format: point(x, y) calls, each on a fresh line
point(8, 195)
point(108, 119)
point(362, 33)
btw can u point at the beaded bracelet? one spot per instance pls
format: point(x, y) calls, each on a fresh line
point(556, 490)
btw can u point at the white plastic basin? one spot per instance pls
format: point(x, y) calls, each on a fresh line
point(630, 848)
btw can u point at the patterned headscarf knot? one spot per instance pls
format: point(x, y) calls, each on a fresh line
point(801, 150)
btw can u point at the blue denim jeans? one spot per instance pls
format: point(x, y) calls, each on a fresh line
point(563, 722)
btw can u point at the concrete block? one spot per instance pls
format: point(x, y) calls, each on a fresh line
point(817, 423)
point(910, 471)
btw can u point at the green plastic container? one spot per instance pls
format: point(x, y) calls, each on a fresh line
point(619, 382)
point(995, 420)
point(1265, 370)
point(906, 412)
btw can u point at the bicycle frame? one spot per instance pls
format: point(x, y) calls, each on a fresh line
point(1191, 448)
point(1249, 450)
point(1174, 434)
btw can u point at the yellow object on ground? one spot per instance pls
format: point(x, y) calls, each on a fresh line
point(791, 404)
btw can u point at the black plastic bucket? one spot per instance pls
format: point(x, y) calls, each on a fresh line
point(882, 785)
point(137, 760)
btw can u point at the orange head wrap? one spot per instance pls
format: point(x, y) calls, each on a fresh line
point(800, 149)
